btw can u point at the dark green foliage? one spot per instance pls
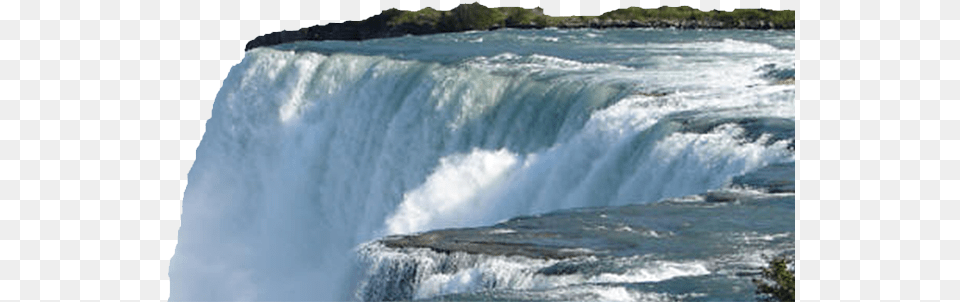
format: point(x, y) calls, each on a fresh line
point(478, 17)
point(664, 12)
point(470, 17)
point(777, 281)
point(522, 16)
point(780, 19)
point(783, 18)
point(395, 23)
point(464, 17)
point(424, 16)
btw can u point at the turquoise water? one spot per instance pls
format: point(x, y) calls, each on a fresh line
point(624, 47)
point(704, 247)
point(315, 150)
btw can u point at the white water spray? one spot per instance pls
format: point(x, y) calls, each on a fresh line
point(308, 155)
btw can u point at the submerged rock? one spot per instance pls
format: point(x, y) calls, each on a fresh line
point(773, 129)
point(773, 178)
point(474, 241)
point(670, 248)
point(789, 81)
point(598, 232)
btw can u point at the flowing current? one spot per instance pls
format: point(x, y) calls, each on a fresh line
point(315, 149)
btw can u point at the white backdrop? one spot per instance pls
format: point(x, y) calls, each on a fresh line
point(103, 103)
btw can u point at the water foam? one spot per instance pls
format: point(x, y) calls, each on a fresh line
point(308, 155)
point(451, 196)
point(422, 274)
point(657, 271)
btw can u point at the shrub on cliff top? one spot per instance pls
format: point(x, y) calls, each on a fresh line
point(664, 12)
point(478, 17)
point(777, 281)
point(426, 15)
point(470, 17)
point(782, 19)
point(519, 15)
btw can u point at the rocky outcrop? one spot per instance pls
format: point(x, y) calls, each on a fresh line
point(396, 23)
point(484, 241)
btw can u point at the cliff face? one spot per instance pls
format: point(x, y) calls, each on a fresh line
point(396, 23)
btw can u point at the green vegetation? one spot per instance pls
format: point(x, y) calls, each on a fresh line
point(478, 17)
point(395, 22)
point(780, 19)
point(463, 17)
point(519, 15)
point(664, 12)
point(783, 19)
point(469, 17)
point(777, 283)
point(424, 16)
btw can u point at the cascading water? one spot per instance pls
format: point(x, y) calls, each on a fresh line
point(316, 148)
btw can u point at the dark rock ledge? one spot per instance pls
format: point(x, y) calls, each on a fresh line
point(480, 241)
point(466, 17)
point(538, 237)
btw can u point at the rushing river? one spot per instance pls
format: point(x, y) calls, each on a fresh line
point(578, 165)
